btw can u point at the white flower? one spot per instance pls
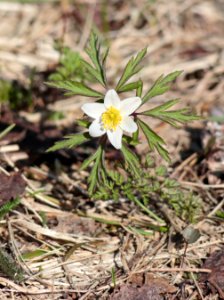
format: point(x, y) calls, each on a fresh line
point(112, 117)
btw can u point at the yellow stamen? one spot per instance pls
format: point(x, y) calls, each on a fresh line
point(111, 118)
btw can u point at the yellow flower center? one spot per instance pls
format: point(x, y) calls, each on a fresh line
point(111, 118)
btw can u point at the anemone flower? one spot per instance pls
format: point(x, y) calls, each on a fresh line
point(112, 117)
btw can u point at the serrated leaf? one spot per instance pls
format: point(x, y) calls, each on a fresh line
point(162, 152)
point(116, 177)
point(162, 107)
point(154, 140)
point(94, 175)
point(104, 56)
point(75, 88)
point(173, 117)
point(131, 160)
point(93, 51)
point(90, 159)
point(7, 207)
point(160, 86)
point(95, 73)
point(70, 141)
point(161, 171)
point(131, 86)
point(131, 69)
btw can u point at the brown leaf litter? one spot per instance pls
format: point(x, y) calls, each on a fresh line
point(11, 187)
point(72, 257)
point(215, 279)
point(144, 287)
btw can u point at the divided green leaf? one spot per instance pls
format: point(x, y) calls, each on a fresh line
point(131, 69)
point(160, 86)
point(94, 175)
point(173, 117)
point(94, 52)
point(70, 66)
point(131, 160)
point(91, 158)
point(137, 85)
point(75, 88)
point(154, 140)
point(70, 141)
point(7, 207)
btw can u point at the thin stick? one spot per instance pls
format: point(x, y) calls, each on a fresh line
point(201, 185)
point(193, 270)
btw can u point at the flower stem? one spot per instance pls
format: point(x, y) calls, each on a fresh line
point(148, 211)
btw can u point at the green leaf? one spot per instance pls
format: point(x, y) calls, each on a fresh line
point(161, 171)
point(135, 138)
point(220, 214)
point(69, 66)
point(131, 69)
point(83, 123)
point(7, 207)
point(94, 52)
point(131, 160)
point(160, 86)
point(154, 140)
point(75, 88)
point(6, 131)
point(139, 89)
point(94, 175)
point(33, 254)
point(163, 107)
point(104, 56)
point(173, 117)
point(95, 73)
point(131, 86)
point(90, 159)
point(70, 141)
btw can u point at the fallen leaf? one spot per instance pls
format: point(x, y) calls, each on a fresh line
point(215, 279)
point(11, 187)
point(73, 224)
point(152, 289)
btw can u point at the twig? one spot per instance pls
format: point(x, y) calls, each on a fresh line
point(31, 291)
point(193, 270)
point(201, 185)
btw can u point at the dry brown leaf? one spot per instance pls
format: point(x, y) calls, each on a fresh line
point(215, 279)
point(152, 289)
point(11, 186)
point(73, 224)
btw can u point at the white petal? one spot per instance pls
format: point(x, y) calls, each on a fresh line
point(96, 129)
point(93, 110)
point(129, 105)
point(128, 124)
point(112, 99)
point(115, 137)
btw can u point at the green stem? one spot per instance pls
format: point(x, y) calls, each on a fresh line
point(148, 211)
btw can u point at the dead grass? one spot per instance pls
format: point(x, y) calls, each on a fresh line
point(79, 252)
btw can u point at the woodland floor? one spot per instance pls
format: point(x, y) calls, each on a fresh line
point(77, 248)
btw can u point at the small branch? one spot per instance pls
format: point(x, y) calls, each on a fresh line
point(148, 211)
point(193, 270)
